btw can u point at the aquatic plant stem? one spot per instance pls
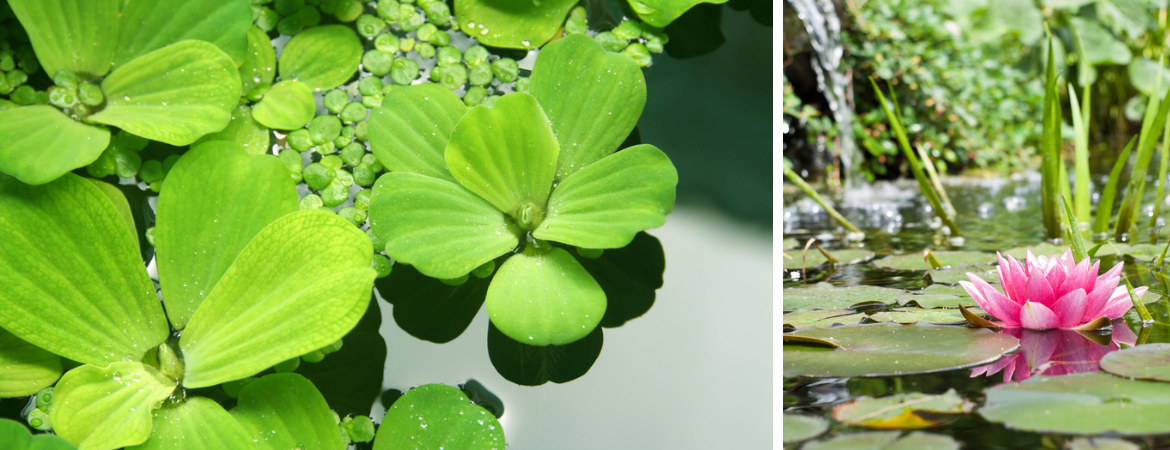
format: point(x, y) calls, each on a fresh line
point(1143, 313)
point(1130, 203)
point(1109, 195)
point(800, 183)
point(1050, 145)
point(1081, 160)
point(1164, 165)
point(1071, 229)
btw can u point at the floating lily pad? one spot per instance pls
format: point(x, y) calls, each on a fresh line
point(822, 317)
point(891, 349)
point(935, 316)
point(903, 411)
point(1084, 404)
point(1145, 362)
point(953, 276)
point(815, 258)
point(1099, 443)
point(885, 440)
point(937, 296)
point(799, 427)
point(1044, 249)
point(1141, 252)
point(916, 261)
point(827, 296)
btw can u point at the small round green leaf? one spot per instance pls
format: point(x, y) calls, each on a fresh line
point(77, 36)
point(107, 408)
point(409, 132)
point(289, 105)
point(1145, 362)
point(41, 143)
point(1081, 404)
point(245, 131)
point(284, 410)
point(27, 368)
point(438, 416)
point(148, 25)
point(196, 424)
point(800, 427)
point(510, 24)
point(544, 296)
point(321, 57)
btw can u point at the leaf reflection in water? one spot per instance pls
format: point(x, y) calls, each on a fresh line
point(1057, 352)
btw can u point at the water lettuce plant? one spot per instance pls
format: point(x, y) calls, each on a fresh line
point(247, 280)
point(501, 23)
point(165, 71)
point(469, 186)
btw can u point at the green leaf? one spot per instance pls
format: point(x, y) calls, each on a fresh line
point(106, 408)
point(543, 297)
point(436, 225)
point(826, 296)
point(302, 283)
point(71, 35)
point(1100, 46)
point(284, 411)
point(41, 143)
point(902, 410)
point(1083, 403)
point(350, 379)
point(119, 200)
point(1145, 362)
point(799, 427)
point(507, 153)
point(289, 105)
point(605, 204)
point(217, 199)
point(949, 259)
point(14, 436)
point(259, 61)
point(196, 424)
point(511, 24)
point(1143, 75)
point(81, 291)
point(529, 365)
point(885, 440)
point(148, 25)
point(27, 368)
point(661, 13)
point(822, 317)
point(815, 258)
point(429, 309)
point(244, 130)
point(438, 416)
point(409, 132)
point(592, 97)
point(174, 94)
point(321, 57)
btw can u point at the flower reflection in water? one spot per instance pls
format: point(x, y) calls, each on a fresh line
point(1056, 352)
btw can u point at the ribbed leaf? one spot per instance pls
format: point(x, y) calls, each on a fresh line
point(148, 25)
point(283, 411)
point(542, 297)
point(259, 62)
point(507, 153)
point(438, 416)
point(437, 226)
point(73, 280)
point(217, 198)
point(322, 57)
point(196, 424)
point(174, 94)
point(41, 143)
point(118, 199)
point(106, 408)
point(593, 98)
point(70, 34)
point(244, 130)
point(303, 282)
point(512, 24)
point(409, 132)
point(605, 204)
point(27, 368)
point(289, 105)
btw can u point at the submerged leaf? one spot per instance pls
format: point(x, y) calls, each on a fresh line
point(41, 143)
point(106, 408)
point(529, 365)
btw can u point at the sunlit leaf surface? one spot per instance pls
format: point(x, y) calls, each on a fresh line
point(321, 57)
point(438, 416)
point(41, 143)
point(196, 424)
point(106, 408)
point(27, 368)
point(283, 411)
point(1081, 404)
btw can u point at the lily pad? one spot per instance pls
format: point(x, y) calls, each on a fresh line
point(1141, 252)
point(912, 315)
point(1100, 443)
point(827, 296)
point(903, 411)
point(953, 276)
point(800, 427)
point(1083, 404)
point(1044, 249)
point(1144, 362)
point(885, 440)
point(822, 317)
point(891, 349)
point(937, 296)
point(815, 258)
point(916, 261)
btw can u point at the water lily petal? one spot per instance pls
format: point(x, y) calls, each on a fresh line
point(1036, 316)
point(1091, 276)
point(1120, 303)
point(1070, 308)
point(1005, 273)
point(1076, 277)
point(999, 306)
point(1039, 291)
point(1099, 297)
point(1018, 290)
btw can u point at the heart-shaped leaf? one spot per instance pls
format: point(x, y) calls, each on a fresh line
point(544, 296)
point(529, 365)
point(438, 416)
point(196, 424)
point(106, 408)
point(27, 368)
point(593, 98)
point(259, 61)
point(148, 25)
point(41, 143)
point(302, 283)
point(284, 410)
point(661, 13)
point(436, 225)
point(71, 35)
point(429, 309)
point(289, 105)
point(409, 132)
point(14, 436)
point(174, 94)
point(321, 57)
point(507, 153)
point(245, 131)
point(510, 24)
point(605, 204)
point(80, 291)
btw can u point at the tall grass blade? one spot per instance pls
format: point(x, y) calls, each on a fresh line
point(1105, 206)
point(1081, 160)
point(1151, 125)
point(927, 163)
point(800, 183)
point(1072, 230)
point(1165, 164)
point(1050, 145)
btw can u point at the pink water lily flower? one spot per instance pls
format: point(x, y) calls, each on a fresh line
point(1045, 293)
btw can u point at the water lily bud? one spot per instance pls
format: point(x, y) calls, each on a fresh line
point(348, 10)
point(506, 69)
point(484, 270)
point(378, 62)
point(317, 176)
point(311, 201)
point(288, 365)
point(388, 10)
point(404, 71)
point(369, 26)
point(292, 161)
point(354, 112)
point(335, 100)
point(475, 95)
point(639, 53)
point(610, 41)
point(44, 398)
point(408, 18)
point(39, 420)
point(387, 42)
point(300, 140)
point(324, 129)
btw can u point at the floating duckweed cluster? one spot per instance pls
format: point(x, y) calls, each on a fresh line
point(17, 63)
point(632, 38)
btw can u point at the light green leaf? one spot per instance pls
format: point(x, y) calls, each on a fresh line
point(661, 13)
point(284, 411)
point(322, 57)
point(1082, 403)
point(174, 94)
point(799, 427)
point(289, 105)
point(512, 24)
point(1131, 17)
point(73, 279)
point(437, 226)
point(1100, 46)
point(299, 285)
point(244, 130)
point(14, 436)
point(507, 153)
point(438, 416)
point(196, 424)
point(1144, 73)
point(605, 204)
point(27, 368)
point(259, 62)
point(409, 132)
point(592, 97)
point(148, 25)
point(119, 200)
point(217, 199)
point(106, 408)
point(41, 143)
point(544, 296)
point(70, 35)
